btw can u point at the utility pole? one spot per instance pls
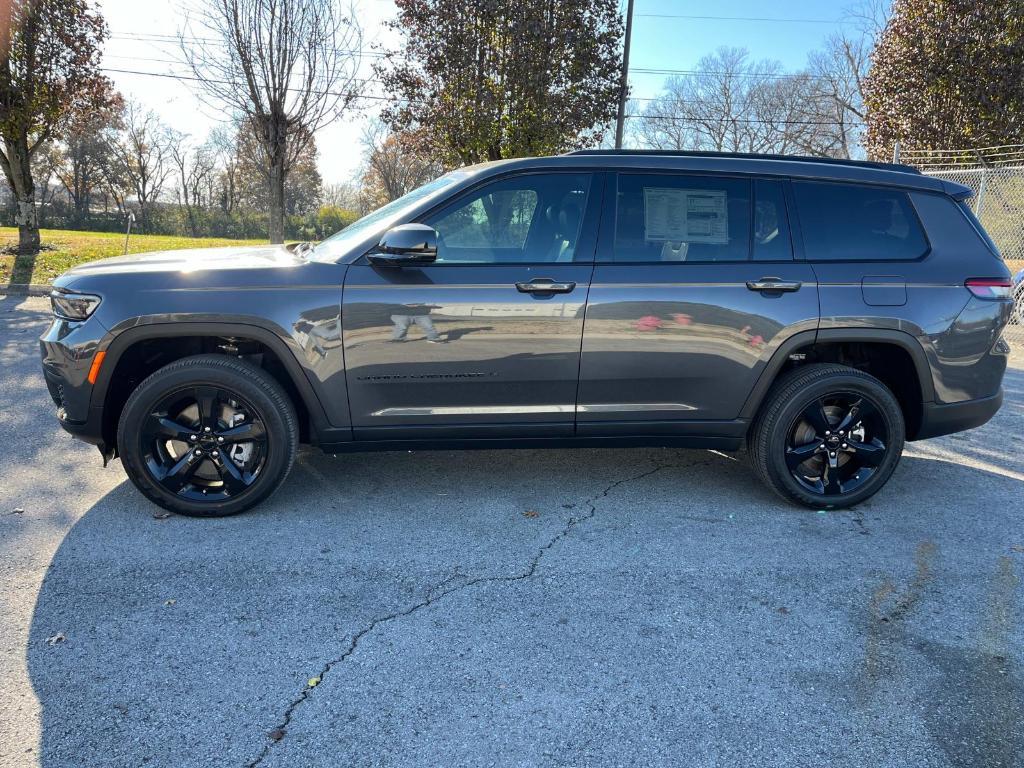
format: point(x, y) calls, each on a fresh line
point(624, 84)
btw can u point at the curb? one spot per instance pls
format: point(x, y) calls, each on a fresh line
point(30, 289)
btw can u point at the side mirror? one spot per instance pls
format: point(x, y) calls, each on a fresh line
point(406, 244)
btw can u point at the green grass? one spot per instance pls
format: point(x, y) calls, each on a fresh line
point(70, 248)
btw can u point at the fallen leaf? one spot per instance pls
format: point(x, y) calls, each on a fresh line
point(531, 513)
point(277, 734)
point(161, 515)
point(54, 639)
point(172, 601)
point(1017, 548)
point(314, 682)
point(784, 610)
point(17, 511)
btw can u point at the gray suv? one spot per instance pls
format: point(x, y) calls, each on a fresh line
point(818, 312)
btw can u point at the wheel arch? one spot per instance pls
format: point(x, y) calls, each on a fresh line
point(109, 396)
point(832, 344)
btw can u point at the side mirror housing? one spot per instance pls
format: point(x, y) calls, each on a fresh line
point(406, 244)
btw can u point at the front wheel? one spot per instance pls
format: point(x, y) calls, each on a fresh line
point(208, 436)
point(827, 436)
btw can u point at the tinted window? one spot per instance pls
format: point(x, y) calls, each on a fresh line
point(662, 217)
point(533, 218)
point(849, 222)
point(771, 224)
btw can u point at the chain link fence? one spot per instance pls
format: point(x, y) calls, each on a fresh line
point(996, 174)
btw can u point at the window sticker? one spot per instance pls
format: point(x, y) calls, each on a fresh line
point(686, 215)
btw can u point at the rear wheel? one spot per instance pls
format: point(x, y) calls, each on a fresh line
point(827, 436)
point(208, 436)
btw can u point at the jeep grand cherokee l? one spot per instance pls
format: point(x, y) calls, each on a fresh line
point(818, 312)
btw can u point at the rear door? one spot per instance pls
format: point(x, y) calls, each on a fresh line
point(695, 288)
point(486, 341)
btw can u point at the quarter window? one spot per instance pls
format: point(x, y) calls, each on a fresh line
point(845, 222)
point(533, 218)
point(677, 218)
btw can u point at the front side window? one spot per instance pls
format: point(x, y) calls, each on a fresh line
point(849, 222)
point(532, 218)
point(677, 218)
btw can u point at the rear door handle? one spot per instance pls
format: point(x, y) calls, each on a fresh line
point(774, 284)
point(544, 285)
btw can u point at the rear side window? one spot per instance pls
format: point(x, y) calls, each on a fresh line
point(771, 224)
point(849, 222)
point(677, 218)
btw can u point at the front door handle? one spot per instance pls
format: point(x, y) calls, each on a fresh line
point(544, 285)
point(774, 285)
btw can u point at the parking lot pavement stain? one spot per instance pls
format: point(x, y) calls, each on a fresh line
point(886, 612)
point(439, 592)
point(977, 717)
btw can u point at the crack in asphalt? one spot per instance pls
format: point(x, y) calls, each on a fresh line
point(436, 593)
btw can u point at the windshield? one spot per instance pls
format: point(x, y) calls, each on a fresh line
point(341, 242)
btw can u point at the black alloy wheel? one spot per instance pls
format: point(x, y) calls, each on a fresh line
point(204, 443)
point(827, 436)
point(208, 436)
point(836, 443)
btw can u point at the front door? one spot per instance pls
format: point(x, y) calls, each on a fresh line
point(695, 289)
point(485, 342)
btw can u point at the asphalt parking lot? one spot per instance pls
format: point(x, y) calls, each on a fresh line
point(518, 608)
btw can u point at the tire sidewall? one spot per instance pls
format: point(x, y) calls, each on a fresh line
point(887, 406)
point(280, 430)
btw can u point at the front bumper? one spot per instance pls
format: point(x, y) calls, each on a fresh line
point(68, 350)
point(946, 418)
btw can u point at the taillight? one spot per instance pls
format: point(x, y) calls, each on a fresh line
point(989, 287)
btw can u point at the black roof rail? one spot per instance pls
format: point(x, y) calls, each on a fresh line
point(899, 167)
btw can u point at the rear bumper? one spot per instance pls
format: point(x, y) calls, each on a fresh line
point(945, 418)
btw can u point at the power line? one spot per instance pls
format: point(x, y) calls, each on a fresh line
point(376, 97)
point(192, 78)
point(688, 119)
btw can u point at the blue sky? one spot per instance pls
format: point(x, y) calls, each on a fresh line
point(678, 43)
point(140, 29)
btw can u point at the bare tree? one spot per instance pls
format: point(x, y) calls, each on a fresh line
point(838, 73)
point(344, 196)
point(732, 105)
point(143, 155)
point(393, 164)
point(85, 152)
point(194, 166)
point(286, 67)
point(224, 143)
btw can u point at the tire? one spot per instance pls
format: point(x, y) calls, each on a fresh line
point(208, 436)
point(817, 394)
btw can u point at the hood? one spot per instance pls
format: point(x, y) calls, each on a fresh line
point(188, 261)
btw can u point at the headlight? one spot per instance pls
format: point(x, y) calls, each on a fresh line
point(73, 306)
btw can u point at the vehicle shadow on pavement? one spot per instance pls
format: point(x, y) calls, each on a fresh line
point(619, 598)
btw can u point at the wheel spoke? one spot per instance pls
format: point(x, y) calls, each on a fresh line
point(797, 456)
point(162, 426)
point(233, 478)
point(180, 475)
point(857, 412)
point(206, 400)
point(868, 454)
point(814, 414)
point(253, 430)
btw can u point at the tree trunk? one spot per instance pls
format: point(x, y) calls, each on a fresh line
point(277, 197)
point(18, 169)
